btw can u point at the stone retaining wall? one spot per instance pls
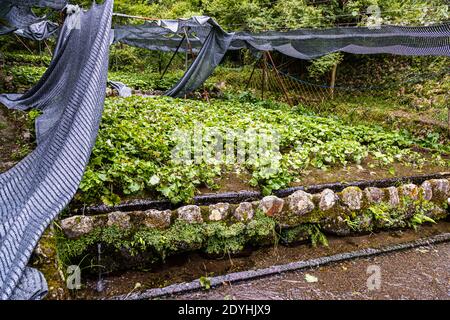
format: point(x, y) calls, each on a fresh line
point(229, 227)
point(300, 207)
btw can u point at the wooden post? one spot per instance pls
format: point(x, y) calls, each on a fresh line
point(333, 80)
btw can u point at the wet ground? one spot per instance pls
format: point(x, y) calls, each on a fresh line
point(421, 273)
point(192, 266)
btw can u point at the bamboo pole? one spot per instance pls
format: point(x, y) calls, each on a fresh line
point(48, 48)
point(23, 43)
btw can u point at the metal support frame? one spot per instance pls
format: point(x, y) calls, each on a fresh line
point(173, 56)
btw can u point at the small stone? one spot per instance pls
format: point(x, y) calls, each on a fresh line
point(352, 196)
point(190, 214)
point(300, 202)
point(244, 211)
point(441, 189)
point(426, 190)
point(39, 253)
point(271, 205)
point(77, 226)
point(218, 211)
point(410, 191)
point(328, 199)
point(394, 199)
point(374, 195)
point(157, 219)
point(119, 219)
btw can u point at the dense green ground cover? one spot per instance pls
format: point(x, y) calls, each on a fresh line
point(137, 135)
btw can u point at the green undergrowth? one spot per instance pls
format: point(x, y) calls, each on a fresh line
point(24, 76)
point(410, 214)
point(214, 238)
point(25, 58)
point(133, 152)
point(303, 232)
point(145, 80)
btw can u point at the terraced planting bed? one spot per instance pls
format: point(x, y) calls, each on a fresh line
point(133, 154)
point(133, 160)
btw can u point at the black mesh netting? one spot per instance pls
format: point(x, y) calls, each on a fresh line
point(18, 17)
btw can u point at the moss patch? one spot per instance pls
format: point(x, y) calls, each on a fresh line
point(411, 213)
point(148, 245)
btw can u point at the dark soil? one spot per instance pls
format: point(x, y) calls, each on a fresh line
point(15, 138)
point(185, 268)
point(421, 273)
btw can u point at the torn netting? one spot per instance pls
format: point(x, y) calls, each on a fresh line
point(18, 17)
point(165, 35)
point(71, 95)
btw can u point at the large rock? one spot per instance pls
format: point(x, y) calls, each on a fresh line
point(77, 226)
point(218, 211)
point(427, 190)
point(190, 214)
point(410, 191)
point(328, 199)
point(394, 199)
point(157, 219)
point(441, 189)
point(352, 197)
point(119, 219)
point(244, 211)
point(374, 195)
point(271, 205)
point(300, 203)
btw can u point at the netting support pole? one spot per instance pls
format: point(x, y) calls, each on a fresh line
point(251, 74)
point(173, 56)
point(24, 44)
point(48, 48)
point(280, 80)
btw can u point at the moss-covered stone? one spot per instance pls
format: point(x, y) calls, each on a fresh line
point(352, 197)
point(77, 226)
point(244, 211)
point(218, 211)
point(190, 214)
point(300, 203)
